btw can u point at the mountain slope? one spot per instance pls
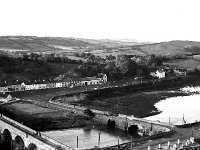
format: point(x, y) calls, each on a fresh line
point(170, 48)
point(98, 47)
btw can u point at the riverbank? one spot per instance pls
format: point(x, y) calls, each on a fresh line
point(133, 99)
point(137, 100)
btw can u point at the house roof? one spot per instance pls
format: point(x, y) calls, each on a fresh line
point(100, 75)
point(90, 78)
point(84, 79)
point(161, 71)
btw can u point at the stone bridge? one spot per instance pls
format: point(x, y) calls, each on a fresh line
point(121, 121)
point(15, 136)
point(124, 122)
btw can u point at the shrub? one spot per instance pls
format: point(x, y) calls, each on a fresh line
point(89, 113)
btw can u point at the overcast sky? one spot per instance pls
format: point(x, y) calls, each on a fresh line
point(143, 20)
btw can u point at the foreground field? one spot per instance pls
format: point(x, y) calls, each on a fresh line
point(41, 118)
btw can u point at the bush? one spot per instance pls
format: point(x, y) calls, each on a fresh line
point(89, 113)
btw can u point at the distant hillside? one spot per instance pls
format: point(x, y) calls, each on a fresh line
point(56, 43)
point(113, 43)
point(98, 47)
point(39, 43)
point(170, 48)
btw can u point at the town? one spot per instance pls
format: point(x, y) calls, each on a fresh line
point(99, 75)
point(87, 91)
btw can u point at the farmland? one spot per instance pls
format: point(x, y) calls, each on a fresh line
point(42, 118)
point(184, 63)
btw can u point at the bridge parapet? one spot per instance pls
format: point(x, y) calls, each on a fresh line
point(124, 122)
point(121, 121)
point(19, 124)
point(29, 136)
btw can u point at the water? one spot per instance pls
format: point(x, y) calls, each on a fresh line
point(174, 109)
point(88, 137)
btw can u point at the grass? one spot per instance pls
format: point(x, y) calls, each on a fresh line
point(30, 108)
point(139, 104)
point(42, 118)
point(184, 63)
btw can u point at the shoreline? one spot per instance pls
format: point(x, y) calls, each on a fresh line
point(127, 100)
point(141, 98)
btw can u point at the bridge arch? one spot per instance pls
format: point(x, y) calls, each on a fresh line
point(18, 143)
point(111, 123)
point(32, 146)
point(132, 129)
point(6, 139)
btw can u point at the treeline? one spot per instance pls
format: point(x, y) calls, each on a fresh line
point(117, 67)
point(44, 58)
point(33, 66)
point(16, 69)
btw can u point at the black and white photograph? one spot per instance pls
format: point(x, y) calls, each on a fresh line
point(99, 75)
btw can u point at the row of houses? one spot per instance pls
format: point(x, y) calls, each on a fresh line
point(162, 73)
point(59, 82)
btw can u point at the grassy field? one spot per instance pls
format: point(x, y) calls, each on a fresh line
point(137, 100)
point(184, 63)
point(42, 118)
point(139, 104)
point(31, 109)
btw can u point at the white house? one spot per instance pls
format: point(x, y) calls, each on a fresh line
point(7, 99)
point(102, 77)
point(23, 86)
point(58, 84)
point(3, 89)
point(180, 72)
point(159, 74)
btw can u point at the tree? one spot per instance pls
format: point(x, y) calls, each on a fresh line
point(126, 65)
point(89, 113)
point(110, 57)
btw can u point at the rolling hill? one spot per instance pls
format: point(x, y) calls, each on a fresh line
point(98, 47)
point(171, 48)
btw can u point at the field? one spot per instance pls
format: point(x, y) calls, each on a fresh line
point(42, 118)
point(184, 63)
point(31, 109)
point(139, 104)
point(137, 100)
